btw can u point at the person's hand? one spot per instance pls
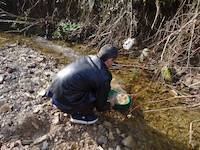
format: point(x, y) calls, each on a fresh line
point(111, 100)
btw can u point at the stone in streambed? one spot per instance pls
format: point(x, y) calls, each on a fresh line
point(1, 78)
point(102, 140)
point(5, 108)
point(128, 141)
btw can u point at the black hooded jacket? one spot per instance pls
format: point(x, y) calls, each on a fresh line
point(82, 84)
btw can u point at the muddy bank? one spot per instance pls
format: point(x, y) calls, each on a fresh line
point(28, 121)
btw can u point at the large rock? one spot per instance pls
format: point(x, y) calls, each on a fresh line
point(129, 142)
point(102, 140)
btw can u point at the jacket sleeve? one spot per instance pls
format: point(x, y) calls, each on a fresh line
point(102, 96)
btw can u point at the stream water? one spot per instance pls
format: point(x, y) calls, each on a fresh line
point(159, 121)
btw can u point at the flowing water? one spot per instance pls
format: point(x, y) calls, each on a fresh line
point(158, 121)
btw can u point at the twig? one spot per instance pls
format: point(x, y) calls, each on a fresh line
point(3, 3)
point(117, 66)
point(169, 108)
point(179, 30)
point(172, 98)
point(163, 109)
point(26, 28)
point(195, 105)
point(194, 84)
point(15, 16)
point(192, 34)
point(14, 21)
point(34, 5)
point(157, 13)
point(131, 16)
point(191, 131)
point(165, 48)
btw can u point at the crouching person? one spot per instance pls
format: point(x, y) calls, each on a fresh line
point(84, 85)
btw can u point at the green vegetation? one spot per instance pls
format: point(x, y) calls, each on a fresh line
point(64, 29)
point(166, 73)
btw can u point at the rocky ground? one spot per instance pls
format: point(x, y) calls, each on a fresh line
point(28, 121)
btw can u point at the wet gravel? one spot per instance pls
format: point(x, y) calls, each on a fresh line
point(28, 121)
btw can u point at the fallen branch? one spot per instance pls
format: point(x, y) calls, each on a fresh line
point(15, 21)
point(22, 30)
point(119, 66)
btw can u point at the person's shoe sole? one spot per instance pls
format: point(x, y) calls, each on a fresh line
point(83, 122)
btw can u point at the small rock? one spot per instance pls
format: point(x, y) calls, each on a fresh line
point(123, 135)
point(32, 65)
point(41, 139)
point(118, 131)
point(48, 73)
point(1, 78)
point(144, 54)
point(27, 142)
point(56, 118)
point(1, 136)
point(65, 114)
point(129, 116)
point(173, 93)
point(45, 145)
point(42, 93)
point(2, 102)
point(35, 125)
point(39, 59)
point(101, 129)
point(10, 70)
point(128, 141)
point(15, 144)
point(24, 45)
point(102, 140)
point(9, 45)
point(56, 139)
point(110, 135)
point(118, 147)
point(100, 148)
point(5, 108)
point(37, 109)
point(31, 91)
point(107, 124)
